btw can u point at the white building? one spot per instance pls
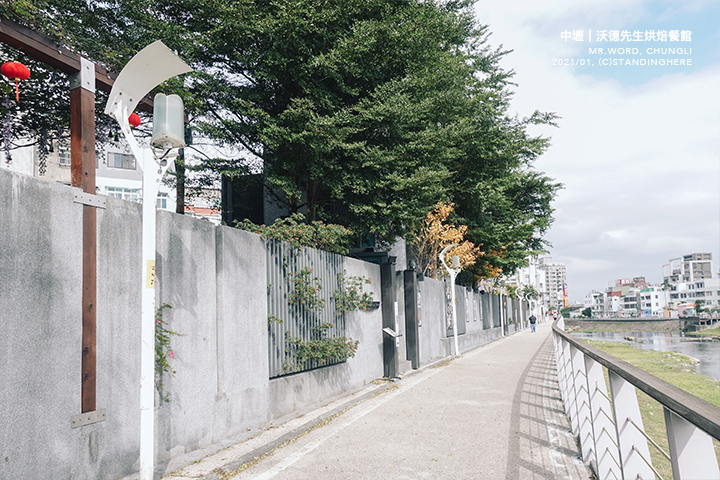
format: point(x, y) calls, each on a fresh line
point(555, 282)
point(688, 268)
point(706, 291)
point(653, 302)
point(690, 280)
point(117, 173)
point(535, 277)
point(596, 302)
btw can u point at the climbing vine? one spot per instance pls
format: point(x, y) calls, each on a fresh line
point(321, 348)
point(163, 352)
point(306, 290)
point(300, 233)
point(349, 296)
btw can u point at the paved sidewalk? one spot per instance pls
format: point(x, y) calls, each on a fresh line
point(494, 413)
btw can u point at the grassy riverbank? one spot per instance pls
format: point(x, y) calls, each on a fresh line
point(711, 332)
point(593, 326)
point(674, 368)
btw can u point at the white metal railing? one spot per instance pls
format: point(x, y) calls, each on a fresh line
point(609, 425)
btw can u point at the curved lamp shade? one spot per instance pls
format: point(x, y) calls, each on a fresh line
point(150, 67)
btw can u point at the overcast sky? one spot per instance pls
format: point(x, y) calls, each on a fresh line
point(638, 147)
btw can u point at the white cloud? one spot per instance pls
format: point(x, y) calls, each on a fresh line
point(640, 162)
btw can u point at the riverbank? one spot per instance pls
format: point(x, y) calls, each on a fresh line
point(598, 326)
point(713, 333)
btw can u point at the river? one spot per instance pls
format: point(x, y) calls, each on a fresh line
point(707, 351)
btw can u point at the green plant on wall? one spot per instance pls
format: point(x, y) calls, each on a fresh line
point(350, 296)
point(296, 230)
point(321, 348)
point(163, 352)
point(306, 290)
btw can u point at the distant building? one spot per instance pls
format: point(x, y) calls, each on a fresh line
point(555, 283)
point(689, 280)
point(688, 268)
point(205, 204)
point(532, 276)
point(653, 302)
point(117, 173)
point(596, 302)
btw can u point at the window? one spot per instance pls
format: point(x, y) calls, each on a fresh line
point(162, 201)
point(121, 160)
point(130, 194)
point(63, 154)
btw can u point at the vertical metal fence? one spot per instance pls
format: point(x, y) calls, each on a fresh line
point(290, 271)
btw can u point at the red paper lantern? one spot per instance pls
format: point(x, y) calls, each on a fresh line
point(134, 120)
point(15, 71)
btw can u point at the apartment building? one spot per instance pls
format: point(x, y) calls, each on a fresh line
point(596, 302)
point(690, 280)
point(688, 268)
point(117, 173)
point(555, 283)
point(534, 277)
point(653, 302)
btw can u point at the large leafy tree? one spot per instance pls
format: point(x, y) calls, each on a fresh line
point(363, 112)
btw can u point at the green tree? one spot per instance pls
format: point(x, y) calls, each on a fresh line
point(699, 304)
point(364, 113)
point(586, 313)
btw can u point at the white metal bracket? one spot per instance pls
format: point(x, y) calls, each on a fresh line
point(90, 199)
point(89, 418)
point(85, 78)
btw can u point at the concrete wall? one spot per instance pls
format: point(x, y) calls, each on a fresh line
point(481, 324)
point(215, 280)
point(41, 334)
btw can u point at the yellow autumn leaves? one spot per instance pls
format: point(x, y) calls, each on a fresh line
point(435, 234)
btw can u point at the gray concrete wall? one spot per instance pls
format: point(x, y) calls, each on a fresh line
point(434, 342)
point(215, 280)
point(40, 344)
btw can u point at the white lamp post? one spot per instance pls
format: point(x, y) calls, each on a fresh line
point(149, 68)
point(453, 272)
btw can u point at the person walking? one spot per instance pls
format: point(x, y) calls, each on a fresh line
point(532, 323)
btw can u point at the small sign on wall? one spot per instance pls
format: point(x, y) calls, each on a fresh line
point(150, 280)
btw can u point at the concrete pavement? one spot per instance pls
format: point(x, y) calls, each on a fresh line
point(494, 413)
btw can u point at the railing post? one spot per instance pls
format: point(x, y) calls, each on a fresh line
point(571, 400)
point(582, 404)
point(560, 365)
point(634, 451)
point(691, 450)
point(607, 455)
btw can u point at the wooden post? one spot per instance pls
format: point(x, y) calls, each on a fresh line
point(82, 160)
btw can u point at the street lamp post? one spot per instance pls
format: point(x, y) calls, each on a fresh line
point(149, 68)
point(453, 272)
